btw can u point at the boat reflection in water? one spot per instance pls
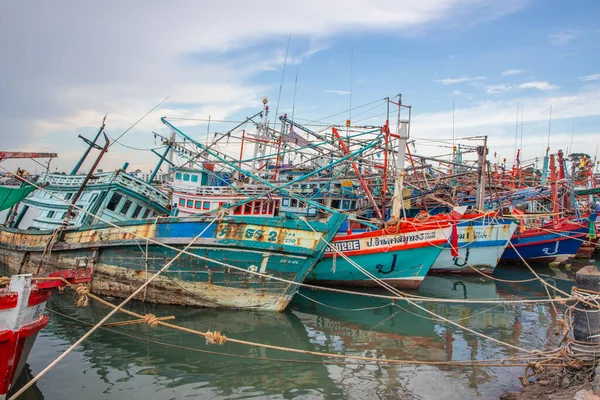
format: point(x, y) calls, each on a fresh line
point(108, 365)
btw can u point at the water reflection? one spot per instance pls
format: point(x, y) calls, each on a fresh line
point(108, 365)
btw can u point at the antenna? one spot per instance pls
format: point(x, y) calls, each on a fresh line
point(349, 121)
point(571, 143)
point(521, 133)
point(549, 126)
point(453, 151)
point(516, 134)
point(282, 76)
point(295, 86)
point(208, 130)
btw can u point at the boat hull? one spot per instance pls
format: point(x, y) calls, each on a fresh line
point(480, 246)
point(400, 260)
point(544, 246)
point(216, 271)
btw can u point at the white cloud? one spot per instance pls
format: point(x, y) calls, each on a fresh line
point(509, 72)
point(501, 88)
point(205, 56)
point(340, 92)
point(593, 77)
point(496, 118)
point(563, 37)
point(537, 85)
point(453, 81)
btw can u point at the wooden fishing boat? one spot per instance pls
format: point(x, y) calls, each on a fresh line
point(548, 242)
point(481, 241)
point(400, 254)
point(216, 271)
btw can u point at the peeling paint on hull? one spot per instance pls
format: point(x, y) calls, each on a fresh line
point(122, 262)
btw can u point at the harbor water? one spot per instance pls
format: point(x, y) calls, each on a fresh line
point(138, 361)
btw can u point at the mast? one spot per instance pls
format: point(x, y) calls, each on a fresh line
point(481, 159)
point(402, 130)
point(91, 144)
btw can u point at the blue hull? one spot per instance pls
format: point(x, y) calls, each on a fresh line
point(545, 246)
point(279, 247)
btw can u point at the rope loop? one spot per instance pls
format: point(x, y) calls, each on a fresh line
point(82, 291)
point(215, 337)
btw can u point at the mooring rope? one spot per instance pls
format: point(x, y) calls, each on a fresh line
point(85, 294)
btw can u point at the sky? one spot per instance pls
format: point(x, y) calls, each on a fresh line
point(467, 68)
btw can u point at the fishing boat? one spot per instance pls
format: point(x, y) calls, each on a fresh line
point(22, 305)
point(481, 240)
point(548, 242)
point(400, 254)
point(104, 223)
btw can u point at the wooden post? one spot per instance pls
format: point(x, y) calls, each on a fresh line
point(586, 319)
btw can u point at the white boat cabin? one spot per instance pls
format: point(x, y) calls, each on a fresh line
point(113, 196)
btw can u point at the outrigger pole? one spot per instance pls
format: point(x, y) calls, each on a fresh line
point(269, 184)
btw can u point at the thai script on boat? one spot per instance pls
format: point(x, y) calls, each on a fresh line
point(401, 239)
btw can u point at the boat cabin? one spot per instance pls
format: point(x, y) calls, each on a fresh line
point(113, 196)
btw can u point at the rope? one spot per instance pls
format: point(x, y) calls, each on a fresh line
point(459, 363)
point(215, 338)
point(397, 292)
point(275, 278)
point(110, 314)
point(83, 292)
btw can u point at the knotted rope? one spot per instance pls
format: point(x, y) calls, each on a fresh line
point(215, 337)
point(82, 291)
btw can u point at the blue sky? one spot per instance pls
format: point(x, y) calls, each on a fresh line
point(74, 62)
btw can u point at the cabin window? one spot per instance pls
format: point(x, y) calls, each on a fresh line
point(126, 207)
point(182, 202)
point(294, 203)
point(186, 177)
point(256, 207)
point(68, 196)
point(285, 202)
point(346, 205)
point(114, 201)
point(271, 206)
point(198, 204)
point(237, 210)
point(146, 213)
point(63, 215)
point(194, 178)
point(265, 207)
point(335, 204)
point(353, 205)
point(190, 203)
point(94, 196)
point(51, 214)
point(206, 205)
point(247, 208)
point(136, 212)
point(178, 175)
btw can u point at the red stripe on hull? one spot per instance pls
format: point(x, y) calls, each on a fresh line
point(386, 249)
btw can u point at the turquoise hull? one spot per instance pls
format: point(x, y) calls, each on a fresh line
point(404, 268)
point(218, 271)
